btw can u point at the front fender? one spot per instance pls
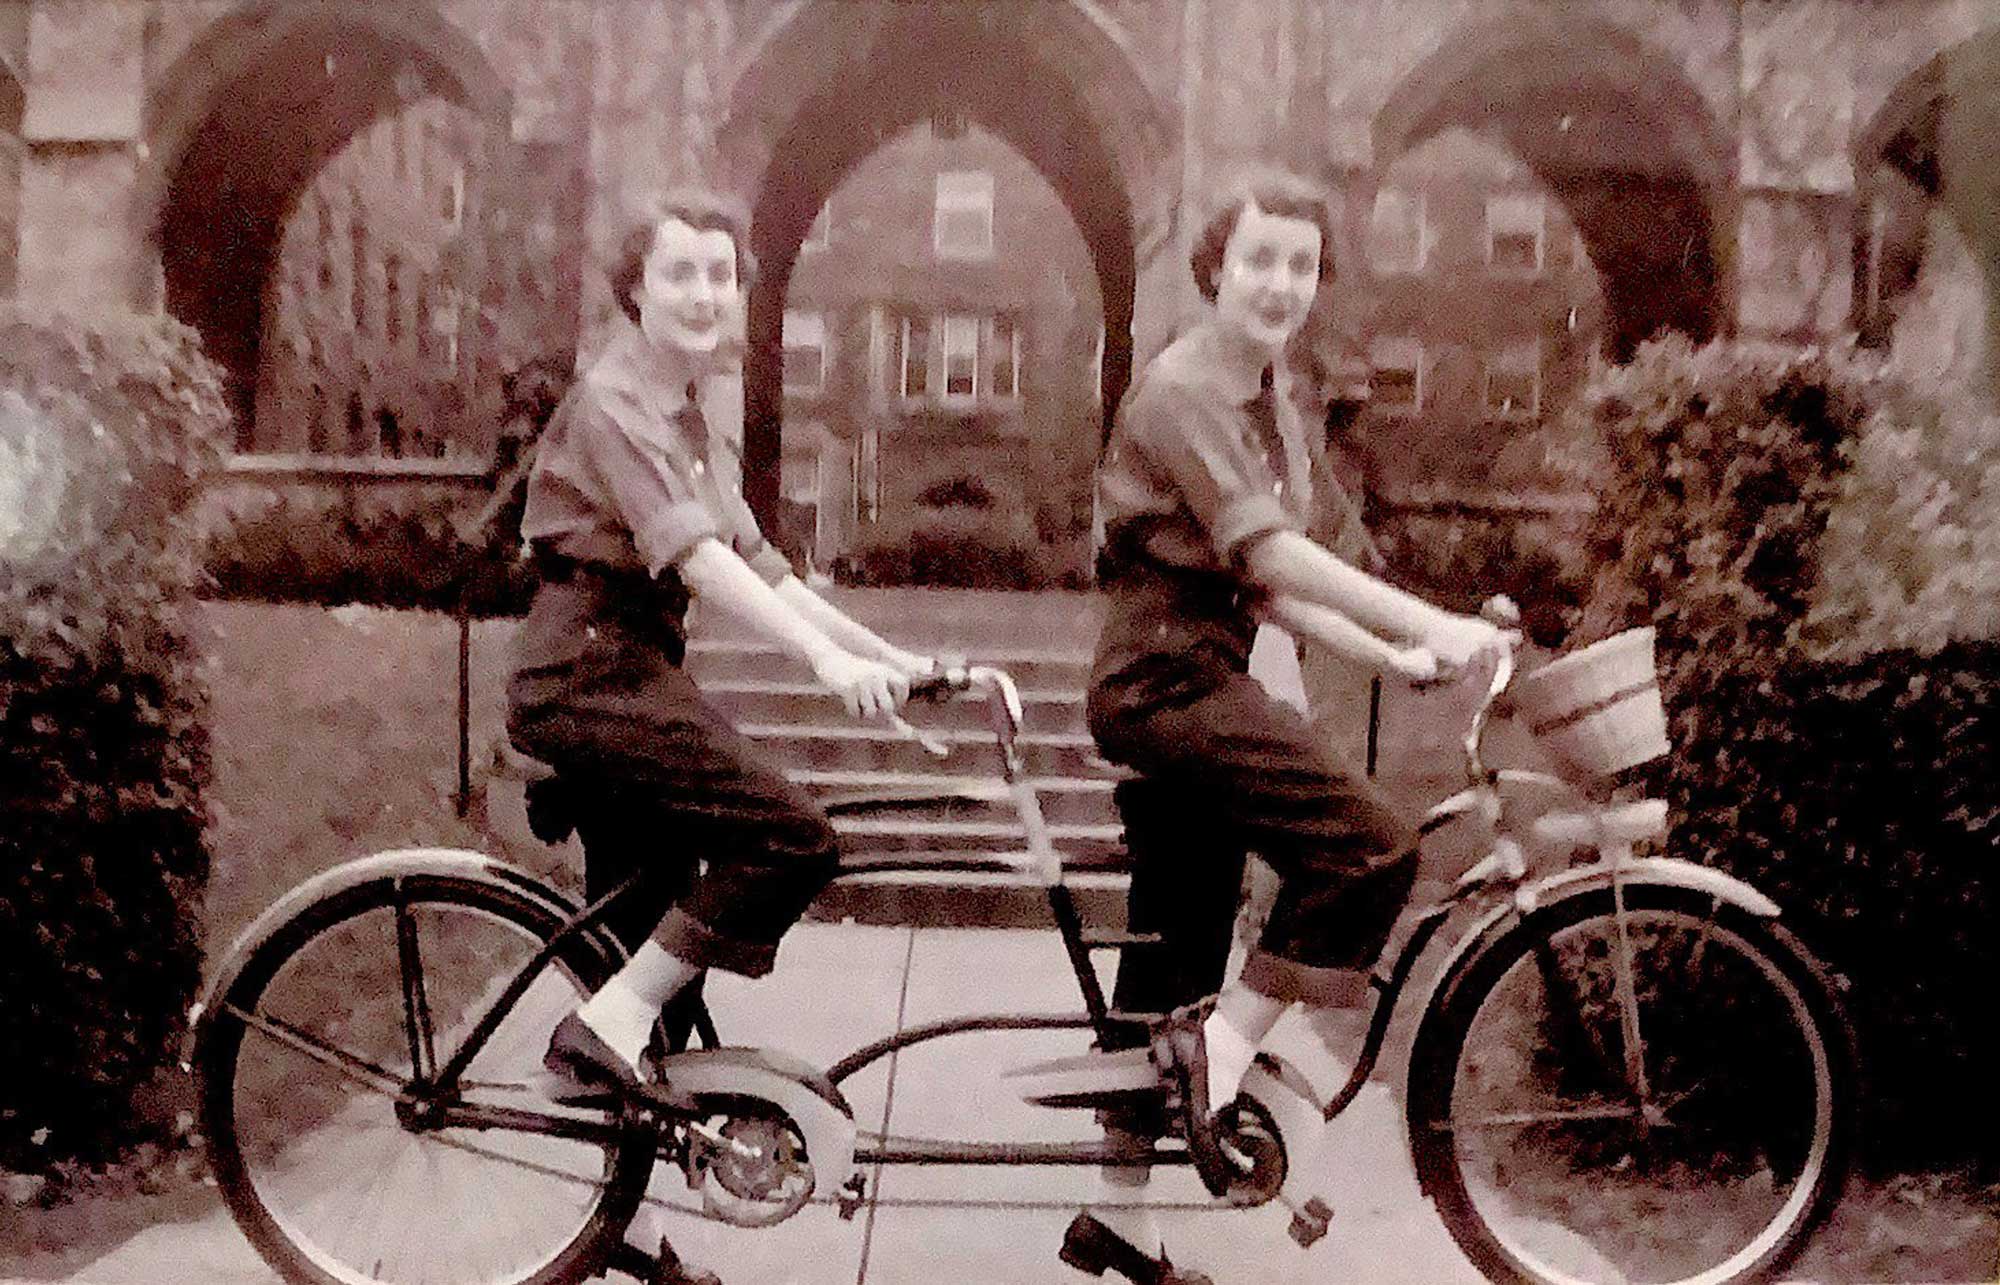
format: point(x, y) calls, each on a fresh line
point(395, 863)
point(1582, 880)
point(800, 1090)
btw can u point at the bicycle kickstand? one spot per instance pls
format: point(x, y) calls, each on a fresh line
point(665, 1268)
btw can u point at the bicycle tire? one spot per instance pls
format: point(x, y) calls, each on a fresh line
point(219, 1063)
point(1519, 1173)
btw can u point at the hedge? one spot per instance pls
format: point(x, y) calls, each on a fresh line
point(1857, 789)
point(108, 428)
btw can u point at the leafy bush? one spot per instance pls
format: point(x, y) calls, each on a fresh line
point(402, 544)
point(1857, 790)
point(959, 547)
point(109, 428)
point(1911, 556)
point(1459, 557)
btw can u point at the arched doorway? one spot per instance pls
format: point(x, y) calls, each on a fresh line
point(245, 119)
point(1612, 128)
point(1930, 197)
point(833, 79)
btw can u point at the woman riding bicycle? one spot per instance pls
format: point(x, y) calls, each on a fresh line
point(634, 509)
point(1206, 490)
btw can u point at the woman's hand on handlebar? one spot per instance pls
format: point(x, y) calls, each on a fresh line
point(869, 688)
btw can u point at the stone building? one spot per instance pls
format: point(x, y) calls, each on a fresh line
point(941, 329)
point(1783, 171)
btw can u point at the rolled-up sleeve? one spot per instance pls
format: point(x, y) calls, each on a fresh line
point(1196, 440)
point(653, 486)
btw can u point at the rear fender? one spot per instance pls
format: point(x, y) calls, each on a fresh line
point(387, 867)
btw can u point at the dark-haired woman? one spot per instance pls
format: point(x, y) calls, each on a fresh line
point(1205, 491)
point(635, 508)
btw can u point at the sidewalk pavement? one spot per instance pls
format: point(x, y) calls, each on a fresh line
point(840, 986)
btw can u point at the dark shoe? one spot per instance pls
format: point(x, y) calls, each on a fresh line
point(1181, 1050)
point(665, 1268)
point(1090, 1246)
point(585, 1071)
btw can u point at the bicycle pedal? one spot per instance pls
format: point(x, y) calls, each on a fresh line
point(1310, 1222)
point(852, 1195)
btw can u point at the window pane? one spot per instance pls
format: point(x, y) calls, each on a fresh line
point(962, 224)
point(1396, 231)
point(961, 356)
point(916, 357)
point(1395, 381)
point(1513, 383)
point(1514, 232)
point(1001, 340)
point(805, 352)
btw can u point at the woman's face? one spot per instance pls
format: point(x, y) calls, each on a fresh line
point(689, 296)
point(1270, 273)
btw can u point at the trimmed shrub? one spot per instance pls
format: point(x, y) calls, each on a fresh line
point(1859, 791)
point(108, 428)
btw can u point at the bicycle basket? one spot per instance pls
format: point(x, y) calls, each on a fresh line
point(1598, 710)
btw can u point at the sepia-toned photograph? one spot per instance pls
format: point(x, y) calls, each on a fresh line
point(999, 642)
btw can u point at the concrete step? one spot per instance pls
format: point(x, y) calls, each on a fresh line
point(857, 748)
point(1082, 846)
point(762, 700)
point(1065, 800)
point(716, 660)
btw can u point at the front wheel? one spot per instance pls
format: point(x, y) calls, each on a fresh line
point(1655, 1091)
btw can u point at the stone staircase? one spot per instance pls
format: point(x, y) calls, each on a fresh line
point(1044, 640)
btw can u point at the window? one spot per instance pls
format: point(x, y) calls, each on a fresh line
point(962, 222)
point(1513, 382)
point(1398, 232)
point(1001, 343)
point(805, 352)
point(1396, 375)
point(916, 356)
point(820, 234)
point(1514, 233)
point(961, 358)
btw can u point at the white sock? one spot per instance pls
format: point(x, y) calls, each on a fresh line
point(1230, 1053)
point(1233, 1032)
point(624, 1009)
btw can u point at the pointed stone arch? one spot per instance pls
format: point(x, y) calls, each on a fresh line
point(244, 119)
point(827, 81)
point(1609, 124)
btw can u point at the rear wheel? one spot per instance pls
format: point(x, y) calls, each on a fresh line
point(1658, 1095)
point(338, 1169)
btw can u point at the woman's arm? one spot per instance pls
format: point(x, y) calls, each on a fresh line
point(1286, 564)
point(1337, 633)
point(716, 575)
point(846, 630)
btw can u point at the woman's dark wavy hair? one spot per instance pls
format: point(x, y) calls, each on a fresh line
point(1278, 192)
point(699, 208)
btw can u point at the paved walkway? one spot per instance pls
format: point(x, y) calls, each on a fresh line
point(839, 986)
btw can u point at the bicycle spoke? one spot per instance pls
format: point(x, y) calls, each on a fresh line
point(416, 1002)
point(1527, 1119)
point(358, 1069)
point(1628, 997)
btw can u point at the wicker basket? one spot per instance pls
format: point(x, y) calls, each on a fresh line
point(1598, 710)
